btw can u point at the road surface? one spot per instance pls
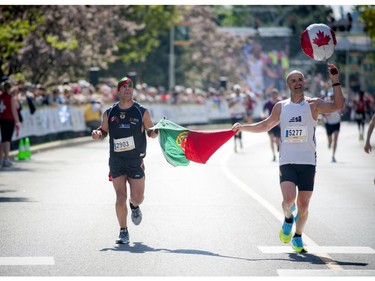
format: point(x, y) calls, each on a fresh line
point(57, 215)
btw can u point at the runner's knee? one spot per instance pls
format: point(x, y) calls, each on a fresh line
point(120, 197)
point(137, 199)
point(288, 203)
point(303, 206)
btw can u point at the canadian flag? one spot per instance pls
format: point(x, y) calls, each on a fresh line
point(318, 41)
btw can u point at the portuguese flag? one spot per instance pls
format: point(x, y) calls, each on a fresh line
point(181, 145)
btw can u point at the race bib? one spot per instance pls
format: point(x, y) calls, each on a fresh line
point(296, 134)
point(124, 144)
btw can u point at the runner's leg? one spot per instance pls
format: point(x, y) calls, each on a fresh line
point(289, 192)
point(119, 185)
point(303, 201)
point(137, 190)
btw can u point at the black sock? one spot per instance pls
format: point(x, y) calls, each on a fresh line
point(132, 206)
point(297, 235)
point(123, 229)
point(290, 220)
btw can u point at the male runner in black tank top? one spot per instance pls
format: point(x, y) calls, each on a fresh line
point(127, 122)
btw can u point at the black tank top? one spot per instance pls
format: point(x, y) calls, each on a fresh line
point(126, 138)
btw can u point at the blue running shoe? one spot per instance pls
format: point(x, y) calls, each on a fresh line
point(285, 234)
point(297, 245)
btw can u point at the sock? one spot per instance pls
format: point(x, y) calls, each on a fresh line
point(132, 206)
point(297, 235)
point(290, 220)
point(122, 229)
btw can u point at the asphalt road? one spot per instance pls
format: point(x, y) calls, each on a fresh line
point(57, 215)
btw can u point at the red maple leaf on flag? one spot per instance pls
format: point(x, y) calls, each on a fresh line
point(321, 39)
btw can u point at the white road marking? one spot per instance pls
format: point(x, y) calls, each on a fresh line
point(317, 250)
point(27, 261)
point(326, 272)
point(329, 262)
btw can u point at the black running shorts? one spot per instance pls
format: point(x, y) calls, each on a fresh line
point(119, 166)
point(7, 129)
point(331, 128)
point(301, 175)
point(275, 131)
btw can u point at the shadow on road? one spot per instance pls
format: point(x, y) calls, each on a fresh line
point(140, 248)
point(310, 258)
point(12, 199)
point(15, 168)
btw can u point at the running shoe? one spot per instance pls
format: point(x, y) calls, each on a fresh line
point(7, 163)
point(136, 215)
point(297, 245)
point(285, 234)
point(123, 237)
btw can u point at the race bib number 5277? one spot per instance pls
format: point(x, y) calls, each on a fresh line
point(295, 134)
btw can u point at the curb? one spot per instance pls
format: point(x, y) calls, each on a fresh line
point(55, 144)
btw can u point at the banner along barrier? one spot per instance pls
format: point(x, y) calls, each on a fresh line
point(64, 118)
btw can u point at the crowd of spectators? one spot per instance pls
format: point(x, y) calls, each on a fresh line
point(95, 99)
point(82, 92)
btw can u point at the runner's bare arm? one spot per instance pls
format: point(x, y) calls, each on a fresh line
point(262, 126)
point(102, 131)
point(147, 124)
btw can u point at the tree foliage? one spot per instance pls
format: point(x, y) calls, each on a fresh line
point(367, 13)
point(151, 61)
point(296, 17)
point(15, 25)
point(211, 54)
point(156, 21)
point(58, 42)
point(49, 43)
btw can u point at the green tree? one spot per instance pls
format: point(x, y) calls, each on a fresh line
point(15, 26)
point(367, 13)
point(71, 39)
point(146, 53)
point(211, 54)
point(297, 17)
